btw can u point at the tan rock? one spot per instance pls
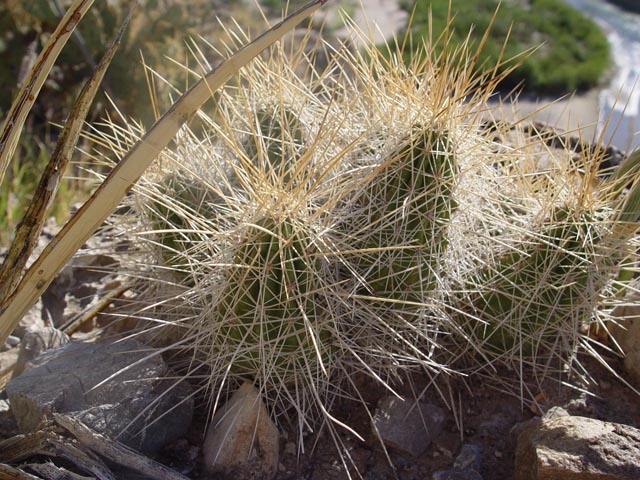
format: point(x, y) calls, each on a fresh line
point(627, 335)
point(577, 448)
point(242, 440)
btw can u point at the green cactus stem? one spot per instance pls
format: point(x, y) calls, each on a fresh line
point(405, 209)
point(267, 305)
point(277, 142)
point(182, 200)
point(553, 282)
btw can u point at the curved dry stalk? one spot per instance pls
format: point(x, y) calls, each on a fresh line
point(12, 126)
point(30, 226)
point(91, 215)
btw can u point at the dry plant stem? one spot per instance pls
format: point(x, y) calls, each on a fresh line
point(91, 215)
point(115, 451)
point(21, 447)
point(52, 472)
point(11, 473)
point(30, 227)
point(84, 461)
point(14, 121)
point(75, 323)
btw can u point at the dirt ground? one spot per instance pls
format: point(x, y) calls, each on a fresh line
point(480, 413)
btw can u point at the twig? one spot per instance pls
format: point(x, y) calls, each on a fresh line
point(115, 451)
point(21, 447)
point(73, 324)
point(81, 459)
point(11, 473)
point(53, 472)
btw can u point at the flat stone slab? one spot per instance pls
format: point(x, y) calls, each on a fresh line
point(577, 448)
point(118, 389)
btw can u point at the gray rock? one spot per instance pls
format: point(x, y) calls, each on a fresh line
point(8, 426)
point(577, 448)
point(77, 287)
point(31, 321)
point(242, 441)
point(467, 466)
point(11, 342)
point(555, 412)
point(34, 343)
point(455, 474)
point(118, 389)
point(408, 426)
point(469, 458)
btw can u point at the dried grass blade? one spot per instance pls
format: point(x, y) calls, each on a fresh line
point(86, 220)
point(14, 121)
point(29, 229)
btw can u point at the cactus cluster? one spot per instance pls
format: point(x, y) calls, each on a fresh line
point(353, 222)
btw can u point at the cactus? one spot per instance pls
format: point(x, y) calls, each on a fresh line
point(533, 294)
point(551, 283)
point(267, 305)
point(179, 223)
point(307, 256)
point(406, 206)
point(276, 142)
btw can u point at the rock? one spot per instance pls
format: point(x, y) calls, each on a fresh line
point(406, 426)
point(116, 389)
point(36, 342)
point(8, 427)
point(78, 286)
point(242, 441)
point(456, 475)
point(31, 321)
point(467, 466)
point(577, 448)
point(448, 443)
point(11, 342)
point(8, 358)
point(469, 458)
point(627, 335)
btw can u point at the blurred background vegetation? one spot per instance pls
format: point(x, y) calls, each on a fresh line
point(574, 55)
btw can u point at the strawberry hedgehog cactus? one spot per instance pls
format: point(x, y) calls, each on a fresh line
point(317, 226)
